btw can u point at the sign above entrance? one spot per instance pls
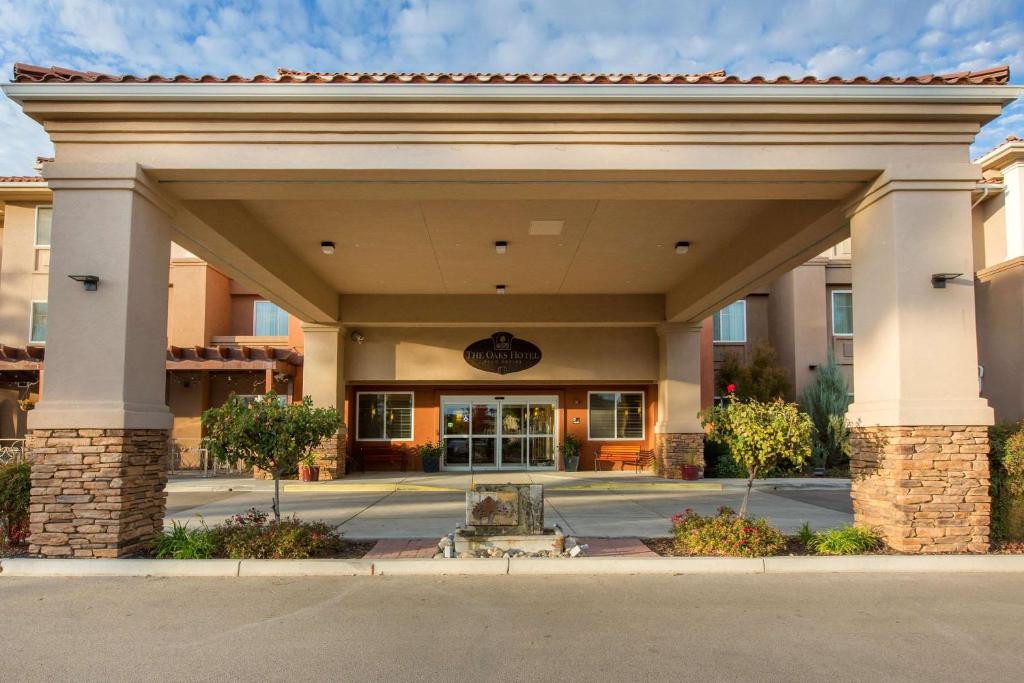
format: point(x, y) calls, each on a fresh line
point(502, 353)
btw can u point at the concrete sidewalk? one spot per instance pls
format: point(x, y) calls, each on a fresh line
point(599, 504)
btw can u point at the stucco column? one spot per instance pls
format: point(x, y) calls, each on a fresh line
point(679, 438)
point(99, 436)
point(919, 460)
point(323, 380)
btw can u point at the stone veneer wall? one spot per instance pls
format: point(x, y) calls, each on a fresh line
point(96, 492)
point(331, 456)
point(925, 488)
point(675, 450)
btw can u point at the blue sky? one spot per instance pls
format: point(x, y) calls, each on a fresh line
point(745, 37)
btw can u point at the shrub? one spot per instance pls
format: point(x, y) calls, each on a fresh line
point(182, 543)
point(826, 401)
point(847, 540)
point(721, 463)
point(762, 379)
point(725, 534)
point(760, 436)
point(1006, 441)
point(252, 536)
point(15, 486)
point(804, 534)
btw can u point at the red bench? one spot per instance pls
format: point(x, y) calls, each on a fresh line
point(375, 456)
point(633, 456)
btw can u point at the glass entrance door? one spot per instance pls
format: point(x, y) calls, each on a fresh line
point(497, 433)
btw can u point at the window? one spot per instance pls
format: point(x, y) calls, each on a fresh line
point(842, 313)
point(616, 415)
point(37, 330)
point(44, 221)
point(384, 416)
point(269, 320)
point(731, 323)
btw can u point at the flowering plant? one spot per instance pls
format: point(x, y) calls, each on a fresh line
point(725, 534)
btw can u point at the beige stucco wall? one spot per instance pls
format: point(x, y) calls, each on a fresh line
point(1000, 310)
point(21, 282)
point(413, 354)
point(989, 231)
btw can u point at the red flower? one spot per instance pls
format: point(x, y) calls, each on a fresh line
point(730, 389)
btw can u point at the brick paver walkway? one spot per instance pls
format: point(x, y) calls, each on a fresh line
point(392, 548)
point(616, 547)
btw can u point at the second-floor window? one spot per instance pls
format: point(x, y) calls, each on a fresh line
point(731, 323)
point(842, 313)
point(44, 221)
point(37, 329)
point(269, 320)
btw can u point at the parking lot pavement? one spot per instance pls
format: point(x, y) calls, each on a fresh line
point(833, 628)
point(422, 514)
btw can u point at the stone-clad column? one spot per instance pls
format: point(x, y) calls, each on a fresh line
point(679, 438)
point(323, 380)
point(99, 436)
point(919, 447)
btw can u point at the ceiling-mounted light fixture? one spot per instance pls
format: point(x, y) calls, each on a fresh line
point(682, 247)
point(357, 337)
point(327, 248)
point(499, 289)
point(501, 246)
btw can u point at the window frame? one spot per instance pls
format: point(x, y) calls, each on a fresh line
point(256, 303)
point(832, 312)
point(31, 318)
point(615, 428)
point(412, 415)
point(35, 227)
point(718, 313)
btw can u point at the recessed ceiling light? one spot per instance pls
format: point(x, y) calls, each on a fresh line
point(327, 248)
point(501, 247)
point(546, 227)
point(499, 289)
point(682, 247)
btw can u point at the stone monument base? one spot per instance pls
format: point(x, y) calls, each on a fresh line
point(550, 540)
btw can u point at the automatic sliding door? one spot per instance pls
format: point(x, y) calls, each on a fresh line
point(541, 429)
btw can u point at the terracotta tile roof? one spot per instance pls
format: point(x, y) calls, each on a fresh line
point(21, 179)
point(1010, 139)
point(28, 73)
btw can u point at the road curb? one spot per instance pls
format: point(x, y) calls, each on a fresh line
point(431, 567)
point(593, 566)
point(24, 567)
point(519, 566)
point(248, 568)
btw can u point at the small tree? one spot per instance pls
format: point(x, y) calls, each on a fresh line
point(760, 435)
point(826, 401)
point(268, 434)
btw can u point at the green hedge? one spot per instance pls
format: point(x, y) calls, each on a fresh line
point(1006, 459)
point(15, 485)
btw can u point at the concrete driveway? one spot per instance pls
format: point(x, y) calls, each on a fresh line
point(605, 504)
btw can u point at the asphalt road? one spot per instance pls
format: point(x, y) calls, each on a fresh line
point(766, 628)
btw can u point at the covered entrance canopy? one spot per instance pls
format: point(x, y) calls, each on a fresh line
point(632, 207)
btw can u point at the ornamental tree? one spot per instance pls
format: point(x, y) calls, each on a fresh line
point(826, 401)
point(268, 434)
point(761, 435)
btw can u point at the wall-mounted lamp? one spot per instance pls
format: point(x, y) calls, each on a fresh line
point(357, 337)
point(327, 248)
point(499, 289)
point(939, 280)
point(682, 247)
point(89, 282)
point(501, 247)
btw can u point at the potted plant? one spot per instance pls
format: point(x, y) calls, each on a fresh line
point(571, 447)
point(308, 469)
point(430, 455)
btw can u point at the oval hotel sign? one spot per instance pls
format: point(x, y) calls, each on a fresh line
point(502, 353)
